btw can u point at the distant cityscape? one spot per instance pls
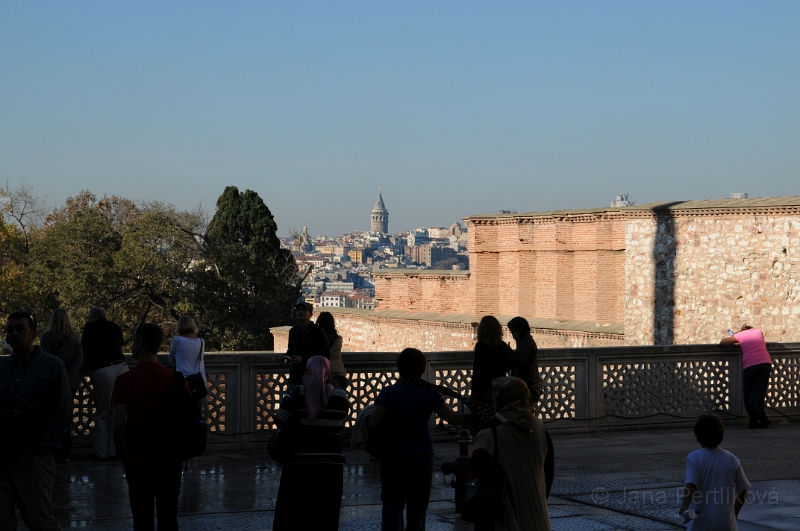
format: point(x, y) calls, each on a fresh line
point(339, 269)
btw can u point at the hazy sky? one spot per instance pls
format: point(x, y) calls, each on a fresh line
point(454, 108)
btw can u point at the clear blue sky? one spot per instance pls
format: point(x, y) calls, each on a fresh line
point(454, 108)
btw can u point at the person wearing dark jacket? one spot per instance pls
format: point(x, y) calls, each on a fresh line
point(306, 340)
point(525, 365)
point(492, 358)
point(35, 408)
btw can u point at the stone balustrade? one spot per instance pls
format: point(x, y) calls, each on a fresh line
point(586, 389)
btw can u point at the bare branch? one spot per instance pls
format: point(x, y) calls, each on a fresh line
point(23, 207)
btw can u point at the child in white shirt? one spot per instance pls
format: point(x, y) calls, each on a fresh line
point(716, 486)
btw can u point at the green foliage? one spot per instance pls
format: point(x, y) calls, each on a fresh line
point(245, 282)
point(14, 285)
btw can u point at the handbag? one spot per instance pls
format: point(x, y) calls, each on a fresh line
point(378, 442)
point(483, 499)
point(197, 385)
point(279, 446)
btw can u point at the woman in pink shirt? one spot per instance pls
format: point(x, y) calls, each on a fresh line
point(756, 368)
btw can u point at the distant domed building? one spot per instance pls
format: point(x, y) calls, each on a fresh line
point(379, 219)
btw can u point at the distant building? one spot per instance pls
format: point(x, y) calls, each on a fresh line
point(738, 195)
point(430, 254)
point(379, 218)
point(356, 256)
point(621, 201)
point(332, 299)
point(336, 285)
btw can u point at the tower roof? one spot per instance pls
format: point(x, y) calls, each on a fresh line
point(379, 203)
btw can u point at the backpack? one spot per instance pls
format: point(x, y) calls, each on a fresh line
point(182, 430)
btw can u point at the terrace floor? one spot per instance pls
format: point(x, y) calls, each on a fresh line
point(604, 481)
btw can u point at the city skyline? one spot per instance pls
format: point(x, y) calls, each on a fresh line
point(453, 110)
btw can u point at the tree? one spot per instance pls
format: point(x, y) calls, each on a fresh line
point(132, 260)
point(245, 282)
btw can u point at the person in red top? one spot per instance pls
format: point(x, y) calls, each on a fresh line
point(756, 368)
point(139, 395)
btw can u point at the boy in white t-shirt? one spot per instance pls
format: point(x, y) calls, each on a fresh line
point(716, 486)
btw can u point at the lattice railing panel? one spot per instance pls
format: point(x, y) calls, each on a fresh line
point(83, 408)
point(784, 383)
point(270, 388)
point(216, 401)
point(559, 398)
point(676, 388)
point(456, 379)
point(364, 388)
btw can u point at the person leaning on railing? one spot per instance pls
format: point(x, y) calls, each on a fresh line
point(756, 368)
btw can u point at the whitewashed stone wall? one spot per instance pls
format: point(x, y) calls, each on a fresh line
point(703, 273)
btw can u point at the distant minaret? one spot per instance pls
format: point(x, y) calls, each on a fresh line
point(379, 219)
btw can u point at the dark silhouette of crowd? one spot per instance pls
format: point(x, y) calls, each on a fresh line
point(512, 451)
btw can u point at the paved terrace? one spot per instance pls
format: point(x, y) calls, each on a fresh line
point(604, 481)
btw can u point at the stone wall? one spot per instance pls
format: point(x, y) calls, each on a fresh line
point(691, 275)
point(364, 331)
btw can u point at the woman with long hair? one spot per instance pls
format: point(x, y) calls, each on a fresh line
point(338, 373)
point(524, 364)
point(310, 492)
point(61, 341)
point(492, 358)
point(187, 351)
point(524, 460)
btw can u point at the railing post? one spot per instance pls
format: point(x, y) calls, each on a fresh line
point(594, 390)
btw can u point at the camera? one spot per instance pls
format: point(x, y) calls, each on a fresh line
point(286, 360)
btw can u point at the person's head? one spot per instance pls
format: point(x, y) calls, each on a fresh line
point(411, 363)
point(519, 327)
point(746, 327)
point(60, 327)
point(147, 340)
point(186, 325)
point(326, 322)
point(21, 332)
point(511, 392)
point(490, 331)
point(303, 312)
point(318, 368)
point(96, 313)
point(709, 430)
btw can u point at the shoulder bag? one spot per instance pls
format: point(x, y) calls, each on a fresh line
point(484, 497)
point(196, 382)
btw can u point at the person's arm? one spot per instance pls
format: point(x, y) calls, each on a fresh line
point(377, 416)
point(290, 350)
point(729, 340)
point(741, 496)
point(688, 492)
point(120, 418)
point(283, 416)
point(173, 351)
point(61, 415)
point(450, 416)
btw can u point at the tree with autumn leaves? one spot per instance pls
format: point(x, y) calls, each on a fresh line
point(150, 262)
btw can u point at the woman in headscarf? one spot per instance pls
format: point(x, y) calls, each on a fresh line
point(524, 459)
point(310, 492)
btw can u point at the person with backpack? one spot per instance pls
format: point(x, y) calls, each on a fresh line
point(141, 398)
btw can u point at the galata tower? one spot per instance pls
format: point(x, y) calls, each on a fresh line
point(379, 219)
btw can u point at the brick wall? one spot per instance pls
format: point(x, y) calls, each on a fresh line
point(426, 291)
point(373, 333)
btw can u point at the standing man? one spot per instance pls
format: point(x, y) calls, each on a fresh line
point(306, 339)
point(35, 411)
point(102, 349)
point(139, 397)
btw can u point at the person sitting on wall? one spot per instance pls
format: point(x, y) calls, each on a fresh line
point(756, 368)
point(306, 340)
